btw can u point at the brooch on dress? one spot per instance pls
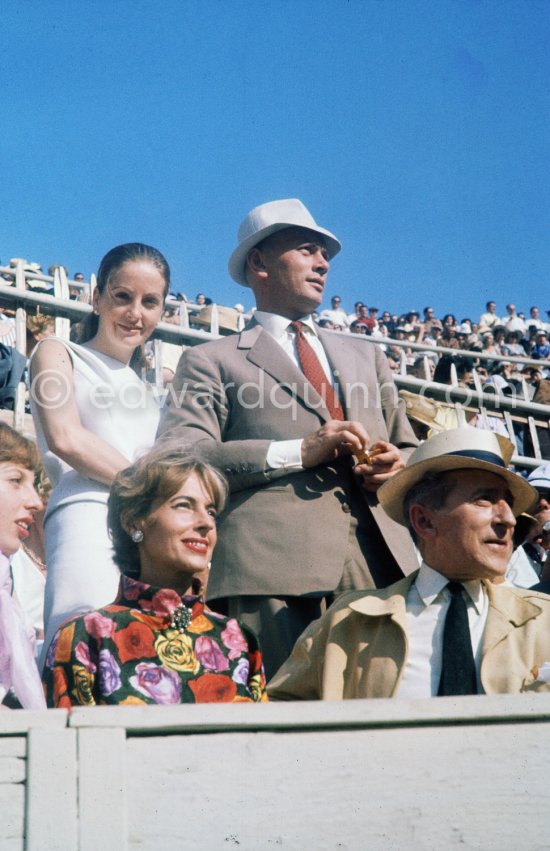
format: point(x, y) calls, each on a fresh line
point(181, 618)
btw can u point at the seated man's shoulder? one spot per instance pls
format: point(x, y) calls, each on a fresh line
point(529, 595)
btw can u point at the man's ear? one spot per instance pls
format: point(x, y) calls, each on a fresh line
point(421, 519)
point(255, 262)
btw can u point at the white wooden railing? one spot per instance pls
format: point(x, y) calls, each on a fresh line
point(517, 408)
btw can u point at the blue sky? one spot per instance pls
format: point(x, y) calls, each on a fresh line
point(416, 130)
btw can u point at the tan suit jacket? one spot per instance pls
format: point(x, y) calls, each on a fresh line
point(359, 648)
point(288, 535)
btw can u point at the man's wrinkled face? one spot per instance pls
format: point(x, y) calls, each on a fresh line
point(470, 536)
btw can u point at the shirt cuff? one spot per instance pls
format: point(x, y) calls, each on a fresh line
point(283, 457)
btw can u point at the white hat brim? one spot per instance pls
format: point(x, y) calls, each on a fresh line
point(237, 261)
point(463, 448)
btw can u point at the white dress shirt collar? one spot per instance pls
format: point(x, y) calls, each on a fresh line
point(429, 583)
point(276, 325)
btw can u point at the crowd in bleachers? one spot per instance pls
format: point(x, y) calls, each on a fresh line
point(83, 455)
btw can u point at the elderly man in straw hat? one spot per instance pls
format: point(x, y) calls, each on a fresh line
point(453, 627)
point(280, 408)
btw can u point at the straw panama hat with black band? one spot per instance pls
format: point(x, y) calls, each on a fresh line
point(269, 218)
point(457, 449)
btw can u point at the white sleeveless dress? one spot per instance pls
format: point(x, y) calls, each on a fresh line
point(117, 406)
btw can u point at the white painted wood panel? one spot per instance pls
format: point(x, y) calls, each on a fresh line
point(51, 817)
point(13, 746)
point(12, 769)
point(102, 790)
point(433, 789)
point(12, 817)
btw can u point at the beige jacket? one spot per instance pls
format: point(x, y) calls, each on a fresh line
point(359, 648)
point(285, 536)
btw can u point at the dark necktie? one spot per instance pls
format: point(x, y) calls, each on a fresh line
point(315, 374)
point(458, 670)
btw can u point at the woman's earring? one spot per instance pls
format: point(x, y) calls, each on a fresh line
point(137, 536)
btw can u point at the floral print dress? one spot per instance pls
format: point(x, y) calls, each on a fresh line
point(153, 646)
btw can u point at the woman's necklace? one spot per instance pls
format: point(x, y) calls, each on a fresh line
point(35, 560)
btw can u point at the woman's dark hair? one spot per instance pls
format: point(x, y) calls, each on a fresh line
point(111, 263)
point(158, 475)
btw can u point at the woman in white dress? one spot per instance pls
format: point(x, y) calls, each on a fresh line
point(93, 416)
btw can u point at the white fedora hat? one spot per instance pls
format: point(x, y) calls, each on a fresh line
point(269, 218)
point(457, 449)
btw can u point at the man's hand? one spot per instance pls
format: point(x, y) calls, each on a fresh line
point(332, 441)
point(382, 467)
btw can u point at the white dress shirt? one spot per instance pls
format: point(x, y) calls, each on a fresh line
point(427, 603)
point(285, 456)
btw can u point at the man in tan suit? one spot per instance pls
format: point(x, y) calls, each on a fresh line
point(302, 521)
point(460, 501)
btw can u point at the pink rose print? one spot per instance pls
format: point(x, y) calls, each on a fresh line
point(82, 653)
point(233, 639)
point(156, 682)
point(162, 603)
point(98, 626)
point(210, 654)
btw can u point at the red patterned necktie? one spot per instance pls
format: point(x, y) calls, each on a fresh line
point(315, 374)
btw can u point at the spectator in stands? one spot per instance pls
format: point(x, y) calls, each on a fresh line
point(453, 628)
point(464, 367)
point(364, 318)
point(448, 338)
point(7, 329)
point(19, 501)
point(283, 433)
point(450, 322)
point(170, 353)
point(93, 414)
point(528, 562)
point(158, 643)
point(512, 322)
point(423, 366)
point(541, 349)
point(512, 345)
point(488, 320)
point(535, 320)
point(328, 324)
point(337, 315)
point(489, 347)
point(39, 327)
point(400, 335)
point(499, 336)
point(372, 320)
point(352, 317)
point(413, 321)
point(430, 322)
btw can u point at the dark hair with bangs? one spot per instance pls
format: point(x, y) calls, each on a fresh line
point(156, 476)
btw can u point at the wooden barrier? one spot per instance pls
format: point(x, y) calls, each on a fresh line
point(383, 775)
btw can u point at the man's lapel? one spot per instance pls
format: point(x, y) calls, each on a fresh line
point(264, 352)
point(343, 362)
point(506, 655)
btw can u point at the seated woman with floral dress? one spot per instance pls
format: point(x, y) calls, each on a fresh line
point(158, 642)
